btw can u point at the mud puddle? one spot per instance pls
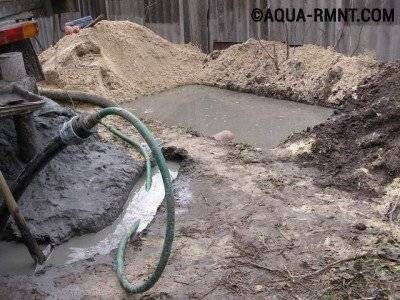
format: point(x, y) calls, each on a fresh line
point(257, 120)
point(143, 205)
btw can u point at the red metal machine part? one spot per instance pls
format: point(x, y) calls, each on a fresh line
point(18, 32)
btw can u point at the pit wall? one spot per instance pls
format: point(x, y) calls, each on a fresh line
point(309, 74)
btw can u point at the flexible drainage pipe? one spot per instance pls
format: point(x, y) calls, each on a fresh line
point(83, 97)
point(70, 96)
point(74, 132)
point(138, 148)
point(89, 122)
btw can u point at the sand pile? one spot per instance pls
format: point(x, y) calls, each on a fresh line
point(312, 74)
point(359, 148)
point(120, 60)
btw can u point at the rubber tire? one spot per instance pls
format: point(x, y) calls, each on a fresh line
point(32, 64)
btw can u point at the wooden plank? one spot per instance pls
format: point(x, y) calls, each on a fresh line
point(230, 21)
point(240, 15)
point(181, 21)
point(198, 21)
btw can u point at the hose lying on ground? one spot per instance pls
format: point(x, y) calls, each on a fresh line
point(89, 122)
point(138, 148)
point(74, 132)
point(68, 96)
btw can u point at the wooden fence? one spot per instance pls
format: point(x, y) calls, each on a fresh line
point(212, 24)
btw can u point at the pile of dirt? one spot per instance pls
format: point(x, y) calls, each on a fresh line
point(82, 190)
point(311, 74)
point(120, 59)
point(359, 148)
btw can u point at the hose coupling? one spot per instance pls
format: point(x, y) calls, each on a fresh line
point(74, 132)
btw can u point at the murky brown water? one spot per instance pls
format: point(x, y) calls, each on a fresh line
point(256, 120)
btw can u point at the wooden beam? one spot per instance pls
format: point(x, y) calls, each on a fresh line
point(181, 22)
point(26, 235)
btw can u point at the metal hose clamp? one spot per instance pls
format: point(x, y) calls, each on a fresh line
point(68, 134)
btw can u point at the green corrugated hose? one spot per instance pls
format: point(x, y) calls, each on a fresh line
point(138, 147)
point(144, 285)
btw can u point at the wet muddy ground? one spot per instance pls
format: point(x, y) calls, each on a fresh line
point(248, 226)
point(73, 190)
point(251, 224)
point(141, 205)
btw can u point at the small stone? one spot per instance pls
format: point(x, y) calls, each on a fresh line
point(225, 136)
point(258, 288)
point(360, 226)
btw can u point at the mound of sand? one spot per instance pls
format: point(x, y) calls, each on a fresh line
point(119, 60)
point(122, 60)
point(312, 74)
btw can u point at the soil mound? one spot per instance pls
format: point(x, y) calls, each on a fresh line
point(82, 190)
point(120, 59)
point(312, 74)
point(359, 148)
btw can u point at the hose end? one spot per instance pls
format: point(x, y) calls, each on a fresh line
point(74, 132)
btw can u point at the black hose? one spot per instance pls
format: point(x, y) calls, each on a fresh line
point(68, 96)
point(78, 129)
point(29, 173)
point(52, 149)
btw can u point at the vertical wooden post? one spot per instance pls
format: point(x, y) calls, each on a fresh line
point(26, 235)
point(182, 21)
point(107, 9)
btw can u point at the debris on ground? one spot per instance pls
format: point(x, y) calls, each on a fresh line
point(175, 154)
point(136, 61)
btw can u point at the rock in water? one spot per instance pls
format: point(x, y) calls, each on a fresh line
point(224, 136)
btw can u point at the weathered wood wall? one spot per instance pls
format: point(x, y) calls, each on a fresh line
point(231, 22)
point(208, 23)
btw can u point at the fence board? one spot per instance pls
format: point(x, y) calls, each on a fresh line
point(229, 21)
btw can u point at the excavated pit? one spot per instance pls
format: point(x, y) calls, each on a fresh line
point(259, 121)
point(352, 149)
